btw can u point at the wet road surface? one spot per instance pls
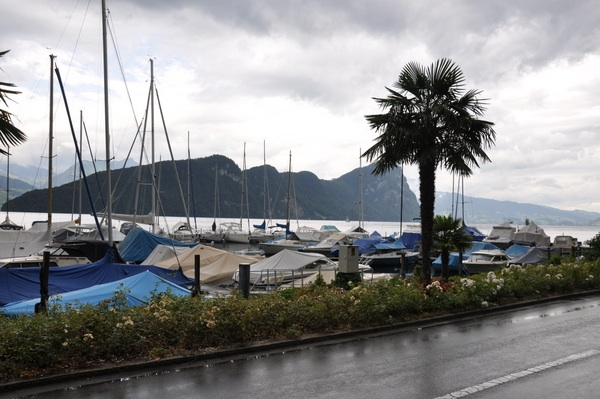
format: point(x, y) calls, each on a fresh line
point(546, 351)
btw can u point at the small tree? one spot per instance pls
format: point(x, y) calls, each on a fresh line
point(449, 235)
point(594, 252)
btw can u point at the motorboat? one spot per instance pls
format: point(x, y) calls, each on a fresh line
point(502, 235)
point(391, 262)
point(287, 266)
point(566, 244)
point(38, 261)
point(328, 246)
point(485, 260)
point(300, 238)
point(531, 234)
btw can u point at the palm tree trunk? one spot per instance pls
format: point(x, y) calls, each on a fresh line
point(445, 255)
point(427, 193)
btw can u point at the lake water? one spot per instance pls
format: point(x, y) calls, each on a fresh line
point(582, 233)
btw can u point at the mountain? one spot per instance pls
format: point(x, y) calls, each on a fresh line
point(37, 177)
point(488, 211)
point(17, 187)
point(311, 197)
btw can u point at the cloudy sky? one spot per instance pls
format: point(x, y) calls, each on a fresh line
point(299, 76)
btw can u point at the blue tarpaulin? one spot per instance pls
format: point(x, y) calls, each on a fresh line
point(139, 243)
point(391, 245)
point(474, 232)
point(18, 284)
point(365, 245)
point(137, 290)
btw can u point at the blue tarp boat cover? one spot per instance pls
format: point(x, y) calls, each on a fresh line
point(390, 245)
point(411, 240)
point(365, 245)
point(474, 232)
point(139, 243)
point(18, 284)
point(138, 289)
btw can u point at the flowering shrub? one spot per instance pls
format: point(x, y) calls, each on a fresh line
point(80, 336)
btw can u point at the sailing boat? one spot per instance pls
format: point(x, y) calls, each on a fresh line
point(216, 234)
point(183, 231)
point(359, 231)
point(8, 224)
point(265, 231)
point(291, 240)
point(473, 231)
point(235, 232)
point(28, 242)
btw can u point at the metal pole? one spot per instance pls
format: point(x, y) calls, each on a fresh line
point(50, 141)
point(244, 279)
point(106, 126)
point(196, 290)
point(44, 274)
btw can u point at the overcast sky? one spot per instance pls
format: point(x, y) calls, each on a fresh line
point(300, 76)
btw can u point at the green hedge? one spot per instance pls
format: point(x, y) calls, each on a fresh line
point(83, 336)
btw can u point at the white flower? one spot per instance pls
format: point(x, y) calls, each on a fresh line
point(484, 304)
point(467, 282)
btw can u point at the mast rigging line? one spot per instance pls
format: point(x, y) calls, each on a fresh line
point(62, 89)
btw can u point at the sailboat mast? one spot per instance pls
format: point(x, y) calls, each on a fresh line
point(106, 126)
point(401, 197)
point(245, 193)
point(153, 165)
point(50, 140)
point(7, 179)
point(289, 196)
point(362, 209)
point(79, 168)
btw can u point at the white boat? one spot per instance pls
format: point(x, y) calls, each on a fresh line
point(235, 233)
point(38, 261)
point(302, 237)
point(183, 232)
point(485, 260)
point(391, 261)
point(217, 232)
point(330, 243)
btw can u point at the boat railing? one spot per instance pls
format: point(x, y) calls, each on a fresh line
point(269, 279)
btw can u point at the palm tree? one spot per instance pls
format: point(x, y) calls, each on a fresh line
point(448, 236)
point(10, 135)
point(430, 121)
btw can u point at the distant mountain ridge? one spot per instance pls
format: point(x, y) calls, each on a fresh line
point(312, 198)
point(488, 211)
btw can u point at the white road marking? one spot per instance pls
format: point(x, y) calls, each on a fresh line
point(514, 376)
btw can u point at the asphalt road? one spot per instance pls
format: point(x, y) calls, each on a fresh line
point(545, 351)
